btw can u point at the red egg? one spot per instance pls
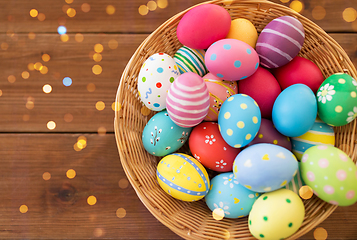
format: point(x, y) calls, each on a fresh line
point(299, 70)
point(208, 147)
point(268, 134)
point(263, 88)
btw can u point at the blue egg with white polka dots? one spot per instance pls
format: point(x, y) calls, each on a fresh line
point(228, 198)
point(239, 120)
point(161, 136)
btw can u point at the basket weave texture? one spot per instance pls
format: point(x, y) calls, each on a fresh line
point(193, 220)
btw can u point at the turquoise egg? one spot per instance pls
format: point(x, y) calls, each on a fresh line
point(161, 136)
point(229, 197)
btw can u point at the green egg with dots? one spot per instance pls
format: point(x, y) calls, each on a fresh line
point(337, 99)
point(276, 215)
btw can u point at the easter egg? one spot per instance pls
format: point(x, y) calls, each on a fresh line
point(290, 74)
point(263, 88)
point(319, 133)
point(294, 110)
point(276, 215)
point(337, 99)
point(187, 101)
point(155, 77)
point(200, 27)
point(161, 136)
point(219, 91)
point(239, 120)
point(331, 174)
point(280, 41)
point(207, 146)
point(265, 167)
point(268, 134)
point(244, 30)
point(191, 60)
point(231, 59)
point(227, 198)
point(182, 177)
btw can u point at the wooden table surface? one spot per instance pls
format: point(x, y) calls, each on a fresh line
point(61, 174)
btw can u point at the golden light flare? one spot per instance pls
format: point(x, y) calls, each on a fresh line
point(306, 192)
point(284, 1)
point(318, 13)
point(97, 69)
point(90, 87)
point(11, 79)
point(97, 57)
point(71, 12)
point(162, 3)
point(218, 214)
point(320, 233)
point(51, 125)
point(31, 66)
point(297, 6)
point(46, 57)
point(98, 48)
point(46, 176)
point(43, 69)
point(4, 46)
point(23, 209)
point(81, 144)
point(91, 200)
point(151, 5)
point(113, 44)
point(41, 17)
point(123, 183)
point(79, 37)
point(30, 104)
point(85, 7)
point(33, 13)
point(98, 232)
point(71, 173)
point(349, 14)
point(0, 93)
point(69, 1)
point(116, 106)
point(25, 117)
point(31, 35)
point(121, 212)
point(64, 37)
point(25, 74)
point(37, 66)
point(68, 117)
point(47, 88)
point(100, 105)
point(143, 10)
point(110, 9)
point(102, 131)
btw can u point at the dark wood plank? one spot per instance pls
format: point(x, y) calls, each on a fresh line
point(15, 15)
point(58, 208)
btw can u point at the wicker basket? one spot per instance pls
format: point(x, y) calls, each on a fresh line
point(193, 220)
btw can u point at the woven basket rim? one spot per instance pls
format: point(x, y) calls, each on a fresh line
point(339, 56)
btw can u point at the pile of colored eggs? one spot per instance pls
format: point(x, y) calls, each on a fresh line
point(254, 113)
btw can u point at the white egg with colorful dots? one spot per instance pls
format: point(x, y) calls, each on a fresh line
point(239, 120)
point(155, 78)
point(161, 136)
point(228, 197)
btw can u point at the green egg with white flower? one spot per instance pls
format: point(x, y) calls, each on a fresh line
point(337, 99)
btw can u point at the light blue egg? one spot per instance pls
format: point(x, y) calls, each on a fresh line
point(161, 136)
point(295, 110)
point(230, 197)
point(239, 120)
point(265, 167)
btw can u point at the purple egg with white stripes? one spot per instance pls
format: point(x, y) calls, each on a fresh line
point(188, 100)
point(280, 41)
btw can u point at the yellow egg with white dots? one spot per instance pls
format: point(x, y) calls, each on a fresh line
point(183, 177)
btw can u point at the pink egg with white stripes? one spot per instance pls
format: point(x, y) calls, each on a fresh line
point(188, 100)
point(280, 41)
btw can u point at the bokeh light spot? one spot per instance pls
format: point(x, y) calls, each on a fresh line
point(102, 131)
point(79, 37)
point(143, 10)
point(46, 176)
point(349, 14)
point(61, 30)
point(41, 17)
point(100, 105)
point(318, 13)
point(64, 37)
point(76, 148)
point(91, 87)
point(121, 212)
point(51, 125)
point(65, 8)
point(25, 117)
point(284, 1)
point(320, 233)
point(67, 81)
point(46, 57)
point(31, 35)
point(97, 57)
point(91, 200)
point(306, 192)
point(98, 232)
point(31, 66)
point(23, 209)
point(113, 44)
point(218, 214)
point(85, 7)
point(69, 1)
point(162, 3)
point(110, 9)
point(71, 173)
point(68, 117)
point(123, 183)
point(43, 69)
point(97, 69)
point(98, 48)
point(33, 13)
point(0, 93)
point(4, 46)
point(11, 78)
point(37, 66)
point(30, 104)
point(297, 6)
point(151, 5)
point(81, 143)
point(25, 74)
point(116, 106)
point(47, 88)
point(71, 12)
